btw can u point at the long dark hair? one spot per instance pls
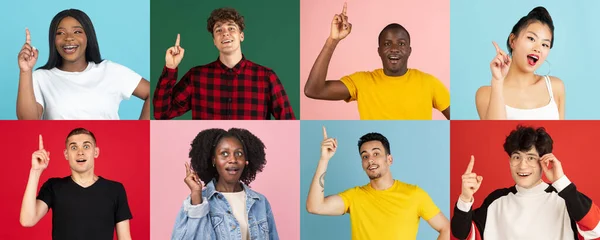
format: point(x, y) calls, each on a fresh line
point(92, 51)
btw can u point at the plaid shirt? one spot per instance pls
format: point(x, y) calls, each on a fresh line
point(214, 91)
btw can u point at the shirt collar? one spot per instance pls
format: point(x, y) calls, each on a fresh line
point(211, 190)
point(236, 69)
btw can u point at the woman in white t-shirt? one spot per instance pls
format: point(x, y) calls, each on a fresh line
point(516, 92)
point(75, 83)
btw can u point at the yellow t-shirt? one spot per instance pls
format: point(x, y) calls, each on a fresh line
point(410, 97)
point(387, 214)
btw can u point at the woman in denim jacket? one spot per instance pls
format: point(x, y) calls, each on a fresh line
point(227, 208)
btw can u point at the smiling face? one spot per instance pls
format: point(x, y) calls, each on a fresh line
point(394, 50)
point(81, 152)
point(525, 168)
point(70, 41)
point(531, 47)
point(227, 36)
point(229, 160)
point(375, 162)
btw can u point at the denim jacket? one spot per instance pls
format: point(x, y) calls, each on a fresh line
point(214, 219)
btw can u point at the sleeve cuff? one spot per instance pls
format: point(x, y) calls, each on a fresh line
point(464, 206)
point(561, 183)
point(196, 211)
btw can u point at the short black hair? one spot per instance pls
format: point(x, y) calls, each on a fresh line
point(375, 137)
point(525, 138)
point(392, 26)
point(78, 131)
point(538, 14)
point(92, 50)
point(203, 149)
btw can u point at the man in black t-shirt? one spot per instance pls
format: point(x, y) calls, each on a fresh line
point(85, 206)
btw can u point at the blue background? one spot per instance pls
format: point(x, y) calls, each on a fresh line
point(122, 28)
point(475, 24)
point(421, 156)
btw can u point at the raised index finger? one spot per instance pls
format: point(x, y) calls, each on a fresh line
point(27, 36)
point(471, 164)
point(41, 142)
point(498, 50)
point(324, 133)
point(177, 41)
point(344, 9)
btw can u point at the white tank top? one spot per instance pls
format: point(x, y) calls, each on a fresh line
point(548, 112)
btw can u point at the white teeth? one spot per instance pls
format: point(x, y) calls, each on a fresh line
point(534, 57)
point(227, 41)
point(524, 174)
point(69, 47)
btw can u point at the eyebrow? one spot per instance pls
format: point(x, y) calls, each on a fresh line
point(228, 24)
point(364, 151)
point(83, 143)
point(537, 36)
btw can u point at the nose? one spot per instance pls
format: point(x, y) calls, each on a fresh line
point(371, 161)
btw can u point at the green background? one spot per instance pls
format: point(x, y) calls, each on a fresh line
point(271, 38)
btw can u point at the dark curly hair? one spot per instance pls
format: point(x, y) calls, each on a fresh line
point(525, 138)
point(375, 137)
point(538, 14)
point(203, 147)
point(224, 14)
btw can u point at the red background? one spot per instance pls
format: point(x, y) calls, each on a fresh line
point(124, 157)
point(575, 145)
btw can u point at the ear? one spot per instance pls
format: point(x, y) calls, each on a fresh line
point(242, 37)
point(96, 152)
point(65, 153)
point(511, 40)
point(409, 51)
point(390, 159)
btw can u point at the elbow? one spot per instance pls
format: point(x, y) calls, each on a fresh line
point(310, 208)
point(310, 93)
point(26, 222)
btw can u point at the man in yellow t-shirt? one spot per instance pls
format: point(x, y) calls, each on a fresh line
point(393, 92)
point(382, 209)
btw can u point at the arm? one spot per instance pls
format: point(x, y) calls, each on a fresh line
point(316, 202)
point(27, 107)
point(559, 88)
point(441, 224)
point(272, 226)
point(317, 86)
point(142, 91)
point(446, 113)
point(123, 231)
point(193, 222)
point(280, 104)
point(495, 109)
point(32, 209)
point(171, 99)
point(580, 208)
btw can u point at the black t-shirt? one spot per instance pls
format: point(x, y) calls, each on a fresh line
point(85, 213)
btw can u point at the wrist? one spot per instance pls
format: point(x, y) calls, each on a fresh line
point(170, 66)
point(332, 42)
point(36, 172)
point(467, 199)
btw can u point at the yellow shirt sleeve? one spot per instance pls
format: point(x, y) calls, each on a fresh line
point(347, 196)
point(440, 94)
point(352, 83)
point(427, 208)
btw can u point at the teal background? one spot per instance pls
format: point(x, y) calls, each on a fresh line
point(421, 156)
point(122, 28)
point(271, 38)
point(475, 24)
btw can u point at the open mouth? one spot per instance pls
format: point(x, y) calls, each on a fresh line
point(524, 174)
point(394, 59)
point(232, 170)
point(70, 48)
point(226, 41)
point(373, 167)
point(81, 161)
point(532, 59)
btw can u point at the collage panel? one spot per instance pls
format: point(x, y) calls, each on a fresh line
point(56, 82)
point(524, 180)
point(244, 69)
point(542, 47)
point(401, 195)
point(271, 149)
point(391, 62)
point(96, 185)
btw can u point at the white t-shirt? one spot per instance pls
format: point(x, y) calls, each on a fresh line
point(237, 201)
point(93, 94)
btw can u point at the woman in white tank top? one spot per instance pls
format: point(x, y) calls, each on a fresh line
point(516, 92)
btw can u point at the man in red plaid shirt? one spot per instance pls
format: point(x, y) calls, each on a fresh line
point(231, 87)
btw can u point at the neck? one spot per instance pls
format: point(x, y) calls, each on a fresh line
point(519, 78)
point(399, 73)
point(534, 185)
point(231, 59)
point(222, 186)
point(84, 179)
point(383, 182)
point(77, 66)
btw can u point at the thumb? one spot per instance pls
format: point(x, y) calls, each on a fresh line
point(479, 180)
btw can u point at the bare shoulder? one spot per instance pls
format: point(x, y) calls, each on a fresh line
point(483, 93)
point(557, 84)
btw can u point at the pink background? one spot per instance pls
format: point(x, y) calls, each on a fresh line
point(279, 181)
point(427, 21)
